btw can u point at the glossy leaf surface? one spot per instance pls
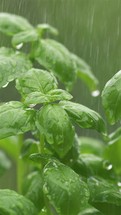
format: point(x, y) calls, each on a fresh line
point(15, 119)
point(14, 204)
point(54, 123)
point(64, 190)
point(104, 195)
point(12, 65)
point(84, 117)
point(51, 96)
point(11, 24)
point(57, 59)
point(111, 98)
point(36, 80)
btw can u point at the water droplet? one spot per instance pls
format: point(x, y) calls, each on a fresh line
point(95, 93)
point(107, 165)
point(5, 85)
point(119, 184)
point(19, 46)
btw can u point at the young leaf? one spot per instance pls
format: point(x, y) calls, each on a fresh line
point(15, 204)
point(36, 80)
point(42, 28)
point(57, 59)
point(111, 98)
point(33, 189)
point(24, 37)
point(11, 24)
point(104, 195)
point(66, 193)
point(12, 65)
point(5, 163)
point(84, 117)
point(54, 123)
point(15, 119)
point(51, 96)
point(84, 73)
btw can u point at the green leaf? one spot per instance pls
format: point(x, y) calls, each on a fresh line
point(33, 189)
point(15, 119)
point(84, 117)
point(66, 193)
point(54, 123)
point(90, 145)
point(14, 204)
point(24, 37)
point(5, 163)
point(36, 80)
point(57, 59)
point(84, 73)
point(12, 65)
point(41, 158)
point(42, 28)
point(104, 195)
point(11, 24)
point(113, 150)
point(51, 96)
point(89, 210)
point(111, 98)
point(90, 165)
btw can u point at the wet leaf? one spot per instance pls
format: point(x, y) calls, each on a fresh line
point(54, 123)
point(104, 195)
point(33, 189)
point(36, 80)
point(91, 165)
point(15, 204)
point(29, 146)
point(66, 193)
point(24, 37)
point(11, 24)
point(84, 73)
point(51, 96)
point(12, 65)
point(84, 117)
point(57, 59)
point(5, 163)
point(15, 119)
point(111, 98)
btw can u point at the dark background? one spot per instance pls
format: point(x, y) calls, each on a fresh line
point(89, 28)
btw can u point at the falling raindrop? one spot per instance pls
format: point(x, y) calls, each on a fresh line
point(95, 93)
point(19, 46)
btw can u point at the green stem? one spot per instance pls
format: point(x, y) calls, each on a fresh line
point(20, 165)
point(41, 145)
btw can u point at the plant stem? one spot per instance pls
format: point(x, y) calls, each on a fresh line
point(20, 165)
point(41, 145)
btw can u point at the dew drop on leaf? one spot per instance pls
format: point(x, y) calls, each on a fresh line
point(95, 93)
